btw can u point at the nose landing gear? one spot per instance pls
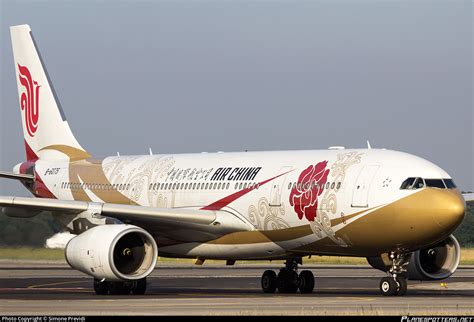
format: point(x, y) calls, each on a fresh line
point(288, 280)
point(395, 283)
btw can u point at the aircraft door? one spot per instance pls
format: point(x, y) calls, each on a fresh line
point(360, 195)
point(277, 187)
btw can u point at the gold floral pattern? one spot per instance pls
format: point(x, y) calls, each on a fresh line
point(321, 226)
point(264, 217)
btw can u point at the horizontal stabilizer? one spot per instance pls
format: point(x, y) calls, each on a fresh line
point(16, 176)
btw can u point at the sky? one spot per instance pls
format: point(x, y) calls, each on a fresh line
point(193, 76)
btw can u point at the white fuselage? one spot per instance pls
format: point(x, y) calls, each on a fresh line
point(264, 190)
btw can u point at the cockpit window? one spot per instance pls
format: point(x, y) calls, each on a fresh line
point(412, 183)
point(408, 183)
point(435, 183)
point(419, 183)
point(449, 183)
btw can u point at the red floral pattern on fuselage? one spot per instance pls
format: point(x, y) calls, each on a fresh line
point(310, 185)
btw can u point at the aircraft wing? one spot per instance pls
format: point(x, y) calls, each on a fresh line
point(469, 197)
point(180, 223)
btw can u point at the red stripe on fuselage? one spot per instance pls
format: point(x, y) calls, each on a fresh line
point(221, 203)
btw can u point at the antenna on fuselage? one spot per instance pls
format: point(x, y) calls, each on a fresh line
point(118, 154)
point(368, 145)
point(151, 152)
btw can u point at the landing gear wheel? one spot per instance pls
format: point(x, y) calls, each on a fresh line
point(388, 286)
point(269, 281)
point(139, 287)
point(402, 285)
point(306, 282)
point(119, 288)
point(288, 281)
point(101, 288)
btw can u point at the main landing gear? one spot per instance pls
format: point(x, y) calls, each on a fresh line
point(395, 283)
point(137, 287)
point(288, 281)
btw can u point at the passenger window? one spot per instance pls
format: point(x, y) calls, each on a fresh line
point(449, 183)
point(338, 185)
point(435, 183)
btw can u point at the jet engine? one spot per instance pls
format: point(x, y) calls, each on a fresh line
point(436, 262)
point(114, 252)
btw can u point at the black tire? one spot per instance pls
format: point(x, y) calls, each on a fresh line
point(118, 288)
point(139, 287)
point(388, 286)
point(306, 282)
point(269, 281)
point(401, 285)
point(101, 288)
point(288, 281)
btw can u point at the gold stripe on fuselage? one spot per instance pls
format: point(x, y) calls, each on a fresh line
point(410, 223)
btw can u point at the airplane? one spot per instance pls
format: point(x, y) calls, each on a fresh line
point(395, 209)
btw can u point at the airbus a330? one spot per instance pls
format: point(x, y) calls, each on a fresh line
point(396, 209)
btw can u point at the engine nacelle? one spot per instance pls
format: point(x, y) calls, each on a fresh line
point(432, 263)
point(114, 252)
point(436, 262)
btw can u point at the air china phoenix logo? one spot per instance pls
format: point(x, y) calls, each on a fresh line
point(29, 100)
point(305, 193)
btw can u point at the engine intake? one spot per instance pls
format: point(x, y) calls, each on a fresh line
point(436, 262)
point(113, 252)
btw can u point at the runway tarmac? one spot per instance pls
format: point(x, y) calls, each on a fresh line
point(55, 289)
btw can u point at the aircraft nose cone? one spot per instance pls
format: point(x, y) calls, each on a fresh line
point(451, 208)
